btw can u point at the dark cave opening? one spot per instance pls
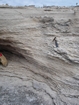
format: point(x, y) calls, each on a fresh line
point(9, 48)
point(12, 51)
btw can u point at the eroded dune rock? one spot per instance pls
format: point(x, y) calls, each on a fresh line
point(38, 72)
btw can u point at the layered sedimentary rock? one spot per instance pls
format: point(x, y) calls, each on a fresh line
point(42, 49)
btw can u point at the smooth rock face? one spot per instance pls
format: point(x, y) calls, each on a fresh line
point(40, 71)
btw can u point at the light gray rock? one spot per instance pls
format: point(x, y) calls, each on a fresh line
point(39, 72)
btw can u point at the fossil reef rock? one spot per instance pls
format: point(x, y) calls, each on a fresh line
point(42, 49)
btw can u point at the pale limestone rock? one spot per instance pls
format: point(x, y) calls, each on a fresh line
point(38, 72)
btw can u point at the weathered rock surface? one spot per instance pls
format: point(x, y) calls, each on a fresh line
point(38, 72)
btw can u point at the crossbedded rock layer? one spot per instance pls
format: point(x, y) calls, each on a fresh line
point(40, 71)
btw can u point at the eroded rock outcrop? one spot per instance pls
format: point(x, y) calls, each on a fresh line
point(39, 72)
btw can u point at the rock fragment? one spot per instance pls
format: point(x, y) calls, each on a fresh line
point(3, 60)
